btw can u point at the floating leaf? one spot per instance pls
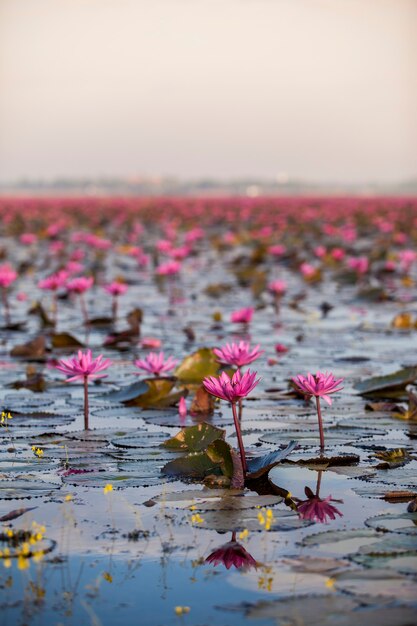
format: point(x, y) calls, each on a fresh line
point(202, 402)
point(25, 488)
point(387, 385)
point(65, 341)
point(261, 465)
point(226, 520)
point(403, 523)
point(219, 452)
point(371, 582)
point(34, 350)
point(125, 394)
point(312, 610)
point(196, 465)
point(392, 458)
point(195, 438)
point(16, 513)
point(196, 366)
point(403, 320)
point(337, 536)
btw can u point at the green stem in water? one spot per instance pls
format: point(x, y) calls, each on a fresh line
point(319, 417)
point(85, 402)
point(239, 439)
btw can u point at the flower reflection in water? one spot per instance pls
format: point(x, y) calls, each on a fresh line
point(317, 509)
point(232, 553)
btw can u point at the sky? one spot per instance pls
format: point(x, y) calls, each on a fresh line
point(323, 90)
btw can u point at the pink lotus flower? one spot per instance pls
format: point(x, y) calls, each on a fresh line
point(155, 363)
point(115, 288)
point(83, 367)
point(338, 254)
point(360, 265)
point(307, 270)
point(81, 284)
point(242, 316)
point(150, 342)
point(28, 238)
point(280, 348)
point(7, 275)
point(238, 354)
point(182, 408)
point(318, 510)
point(54, 281)
point(232, 553)
point(278, 287)
point(320, 385)
point(231, 389)
point(169, 268)
point(320, 252)
point(277, 250)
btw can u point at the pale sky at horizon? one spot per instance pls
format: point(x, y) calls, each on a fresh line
point(324, 90)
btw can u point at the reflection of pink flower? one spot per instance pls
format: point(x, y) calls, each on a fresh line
point(238, 354)
point(317, 509)
point(80, 285)
point(7, 275)
point(242, 316)
point(320, 385)
point(83, 366)
point(231, 389)
point(232, 553)
point(155, 363)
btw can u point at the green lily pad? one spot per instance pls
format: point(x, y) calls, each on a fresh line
point(225, 520)
point(22, 488)
point(195, 438)
point(65, 341)
point(196, 465)
point(403, 523)
point(196, 366)
point(125, 394)
point(387, 386)
point(258, 466)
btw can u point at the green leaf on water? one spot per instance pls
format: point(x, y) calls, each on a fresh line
point(195, 438)
point(196, 366)
point(387, 386)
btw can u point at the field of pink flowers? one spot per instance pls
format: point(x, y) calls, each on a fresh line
point(209, 411)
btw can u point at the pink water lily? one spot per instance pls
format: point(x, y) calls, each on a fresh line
point(320, 386)
point(83, 367)
point(155, 363)
point(7, 277)
point(238, 354)
point(242, 316)
point(115, 289)
point(233, 390)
